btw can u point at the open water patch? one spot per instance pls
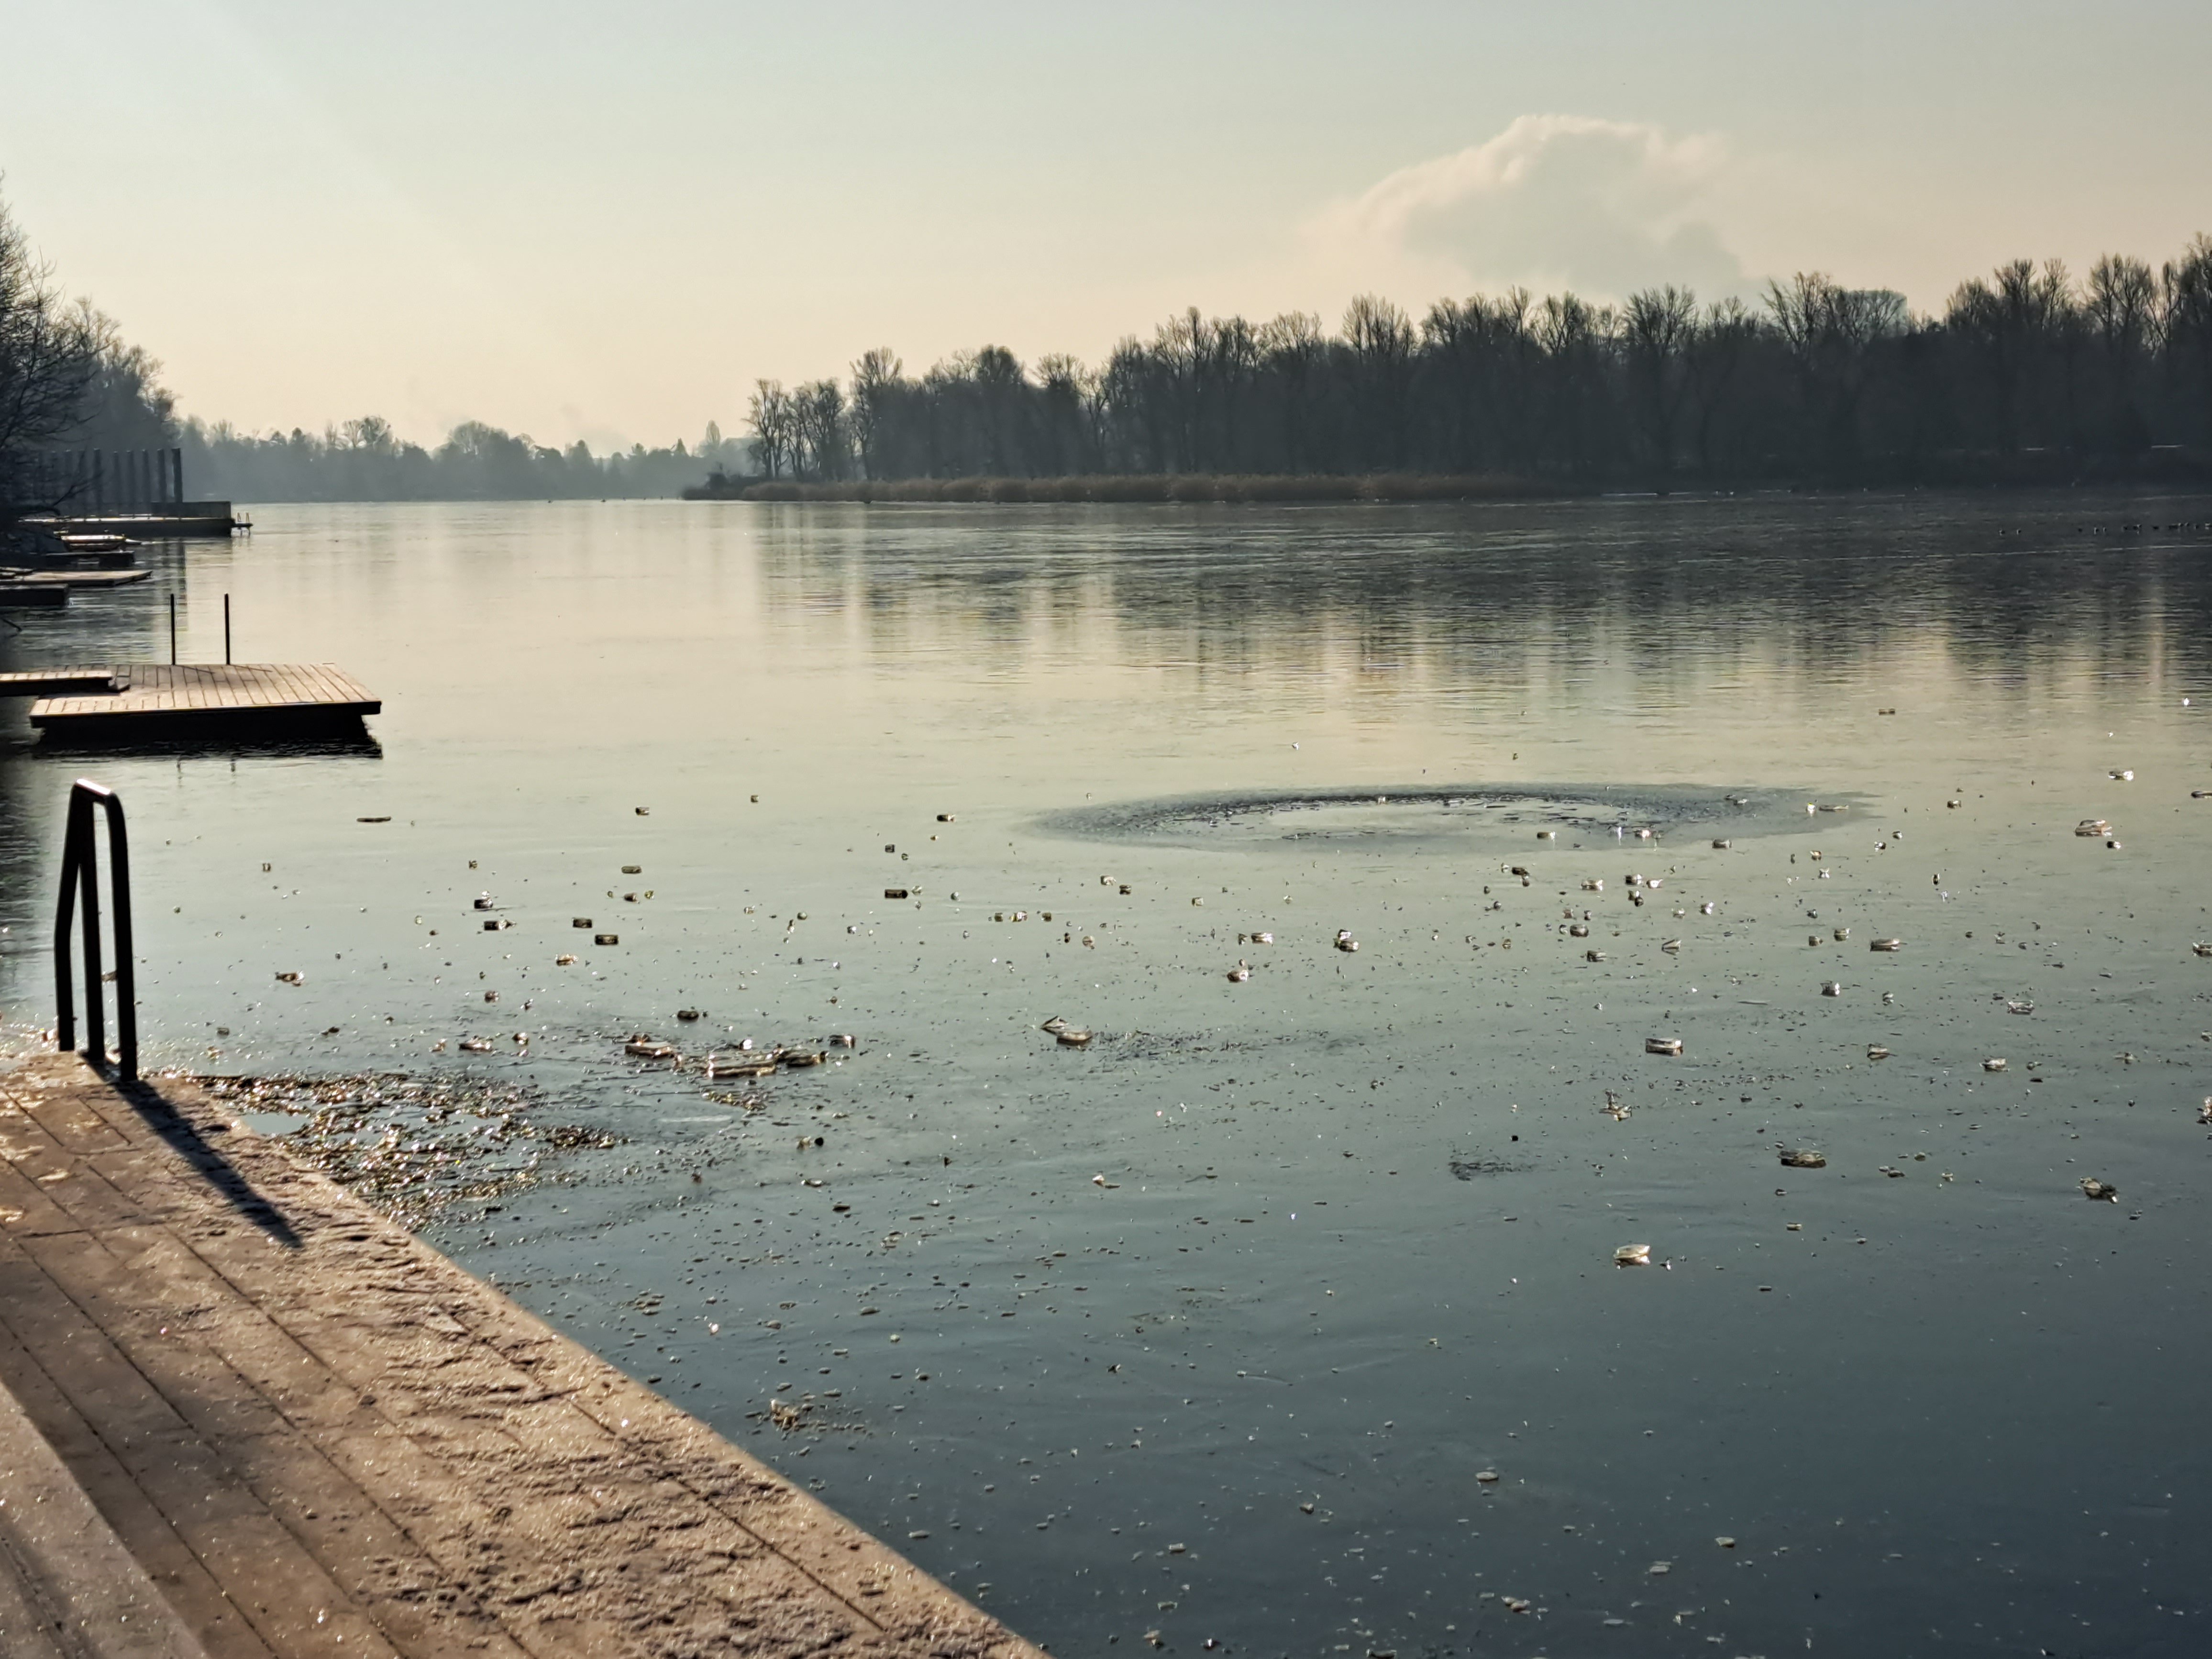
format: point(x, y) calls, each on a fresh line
point(1484, 817)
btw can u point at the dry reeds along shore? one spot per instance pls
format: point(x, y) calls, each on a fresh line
point(1152, 487)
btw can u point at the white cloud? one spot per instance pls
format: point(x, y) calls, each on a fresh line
point(1553, 202)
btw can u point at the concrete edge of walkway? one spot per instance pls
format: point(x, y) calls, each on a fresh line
point(102, 1165)
point(74, 1581)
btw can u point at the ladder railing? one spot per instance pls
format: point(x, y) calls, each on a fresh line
point(81, 876)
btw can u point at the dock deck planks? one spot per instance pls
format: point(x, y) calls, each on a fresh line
point(150, 694)
point(62, 682)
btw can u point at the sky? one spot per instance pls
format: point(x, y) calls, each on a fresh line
point(608, 221)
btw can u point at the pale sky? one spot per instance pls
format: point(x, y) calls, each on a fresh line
point(607, 221)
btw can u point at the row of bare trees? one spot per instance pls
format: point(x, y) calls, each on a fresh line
point(364, 460)
point(2027, 373)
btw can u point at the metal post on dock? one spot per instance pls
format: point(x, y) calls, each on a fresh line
point(226, 629)
point(172, 631)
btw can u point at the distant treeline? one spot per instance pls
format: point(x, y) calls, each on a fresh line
point(1143, 487)
point(2027, 375)
point(363, 461)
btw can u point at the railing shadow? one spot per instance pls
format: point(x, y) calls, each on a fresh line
point(182, 1136)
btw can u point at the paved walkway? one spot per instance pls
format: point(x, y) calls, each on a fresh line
point(67, 1587)
point(314, 1435)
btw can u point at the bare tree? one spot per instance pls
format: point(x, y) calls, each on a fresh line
point(818, 436)
point(1291, 349)
point(769, 414)
point(1069, 403)
point(1573, 336)
point(1828, 331)
point(1001, 385)
point(1381, 340)
point(2013, 323)
point(1656, 331)
point(49, 355)
point(2186, 285)
point(1723, 338)
point(1454, 341)
point(1178, 351)
point(877, 381)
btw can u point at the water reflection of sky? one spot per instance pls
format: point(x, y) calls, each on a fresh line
point(1275, 1268)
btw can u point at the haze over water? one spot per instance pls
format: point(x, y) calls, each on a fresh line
point(1208, 1328)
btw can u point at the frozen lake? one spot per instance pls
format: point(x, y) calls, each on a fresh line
point(1216, 1326)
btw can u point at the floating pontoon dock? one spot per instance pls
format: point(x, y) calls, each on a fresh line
point(156, 700)
point(73, 577)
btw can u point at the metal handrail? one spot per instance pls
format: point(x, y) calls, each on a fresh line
point(79, 869)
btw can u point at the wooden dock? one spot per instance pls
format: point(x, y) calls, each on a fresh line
point(62, 682)
point(73, 577)
point(173, 519)
point(154, 700)
point(315, 1436)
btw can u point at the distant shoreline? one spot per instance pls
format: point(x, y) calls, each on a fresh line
point(2025, 475)
point(1140, 488)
